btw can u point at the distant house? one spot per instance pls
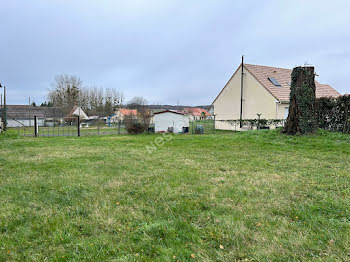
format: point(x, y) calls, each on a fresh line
point(196, 113)
point(171, 121)
point(121, 113)
point(265, 91)
point(23, 115)
point(74, 113)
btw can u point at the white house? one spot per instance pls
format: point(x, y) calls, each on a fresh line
point(171, 121)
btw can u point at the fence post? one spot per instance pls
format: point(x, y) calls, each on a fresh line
point(78, 125)
point(35, 126)
point(258, 121)
point(214, 125)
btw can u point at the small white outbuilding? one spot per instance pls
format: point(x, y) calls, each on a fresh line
point(171, 121)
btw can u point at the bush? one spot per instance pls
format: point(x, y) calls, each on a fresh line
point(134, 125)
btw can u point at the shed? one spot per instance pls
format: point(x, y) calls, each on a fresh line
point(171, 121)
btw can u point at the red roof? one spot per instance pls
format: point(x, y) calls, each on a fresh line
point(125, 111)
point(283, 76)
point(196, 111)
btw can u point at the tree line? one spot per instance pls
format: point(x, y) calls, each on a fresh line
point(68, 91)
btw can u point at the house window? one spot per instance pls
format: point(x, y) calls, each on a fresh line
point(286, 111)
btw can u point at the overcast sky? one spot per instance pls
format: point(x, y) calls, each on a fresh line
point(168, 51)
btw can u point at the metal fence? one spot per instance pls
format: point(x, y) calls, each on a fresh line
point(203, 126)
point(249, 124)
point(102, 126)
point(42, 126)
point(58, 127)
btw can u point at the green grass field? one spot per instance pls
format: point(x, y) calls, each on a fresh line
point(250, 196)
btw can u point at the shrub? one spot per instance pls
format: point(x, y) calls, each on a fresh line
point(134, 125)
point(139, 123)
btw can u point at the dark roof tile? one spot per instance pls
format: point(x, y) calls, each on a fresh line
point(26, 112)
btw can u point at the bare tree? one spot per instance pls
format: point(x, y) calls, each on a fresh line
point(118, 99)
point(65, 91)
point(137, 102)
point(68, 91)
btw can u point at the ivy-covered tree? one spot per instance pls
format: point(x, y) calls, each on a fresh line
point(302, 117)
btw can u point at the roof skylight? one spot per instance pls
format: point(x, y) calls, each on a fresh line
point(274, 81)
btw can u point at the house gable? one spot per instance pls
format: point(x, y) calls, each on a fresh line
point(256, 98)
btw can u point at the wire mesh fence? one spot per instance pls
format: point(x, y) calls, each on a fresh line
point(203, 126)
point(97, 126)
point(50, 122)
point(249, 124)
point(102, 126)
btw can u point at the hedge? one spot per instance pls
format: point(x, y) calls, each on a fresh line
point(334, 113)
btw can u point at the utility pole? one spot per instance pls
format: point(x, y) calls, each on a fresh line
point(241, 109)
